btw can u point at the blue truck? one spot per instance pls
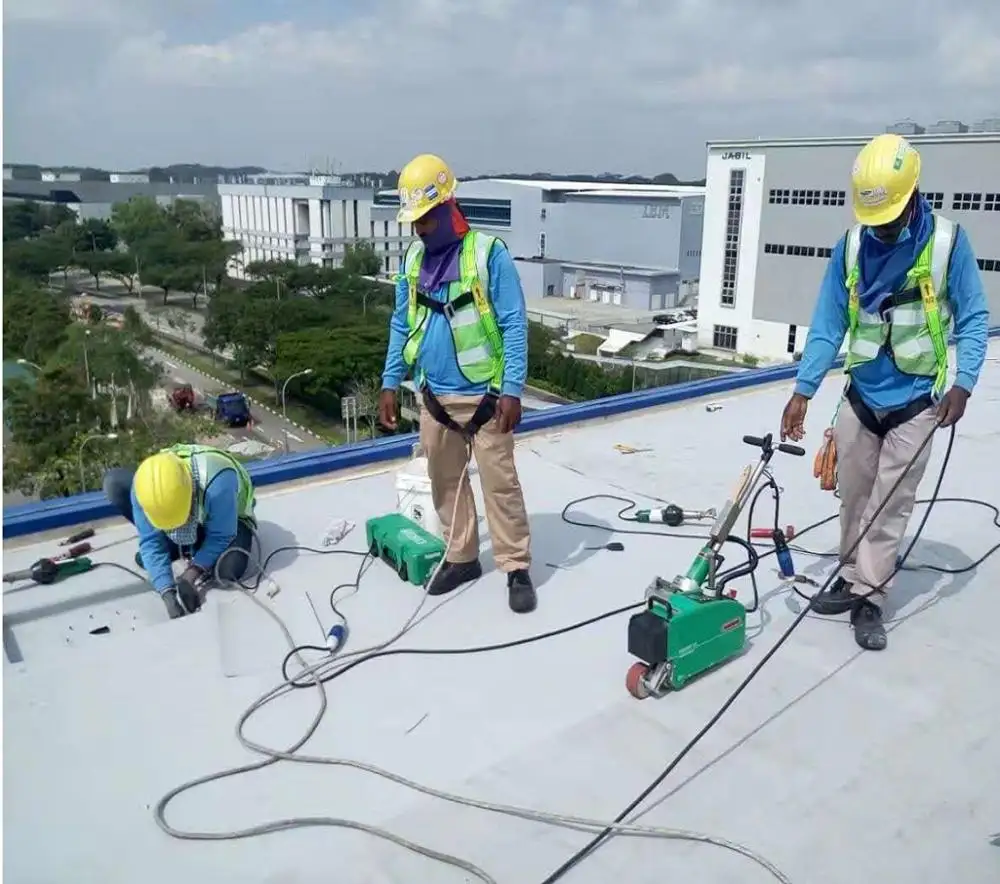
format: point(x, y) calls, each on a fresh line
point(232, 409)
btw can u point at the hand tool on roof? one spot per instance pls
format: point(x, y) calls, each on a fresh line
point(673, 515)
point(690, 624)
point(768, 533)
point(46, 571)
point(76, 538)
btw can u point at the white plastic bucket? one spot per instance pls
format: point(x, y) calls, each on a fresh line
point(413, 495)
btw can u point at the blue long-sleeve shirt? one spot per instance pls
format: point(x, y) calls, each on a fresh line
point(879, 383)
point(221, 522)
point(436, 355)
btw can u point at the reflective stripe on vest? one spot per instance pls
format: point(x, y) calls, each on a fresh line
point(916, 327)
point(210, 462)
point(474, 330)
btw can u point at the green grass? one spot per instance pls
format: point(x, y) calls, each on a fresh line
point(325, 426)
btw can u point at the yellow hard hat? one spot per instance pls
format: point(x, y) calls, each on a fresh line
point(163, 488)
point(425, 182)
point(885, 175)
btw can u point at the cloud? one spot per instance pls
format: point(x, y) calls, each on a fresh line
point(622, 85)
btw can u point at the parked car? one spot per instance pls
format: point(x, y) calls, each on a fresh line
point(232, 409)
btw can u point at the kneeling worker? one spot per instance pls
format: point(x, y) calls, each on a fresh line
point(460, 324)
point(193, 501)
point(897, 283)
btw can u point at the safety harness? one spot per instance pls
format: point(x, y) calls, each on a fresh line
point(474, 330)
point(911, 326)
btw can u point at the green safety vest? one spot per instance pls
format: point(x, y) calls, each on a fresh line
point(916, 325)
point(210, 462)
point(474, 329)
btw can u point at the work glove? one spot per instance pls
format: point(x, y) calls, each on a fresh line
point(188, 588)
point(387, 409)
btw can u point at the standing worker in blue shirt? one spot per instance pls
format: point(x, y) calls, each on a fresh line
point(897, 283)
point(193, 501)
point(460, 325)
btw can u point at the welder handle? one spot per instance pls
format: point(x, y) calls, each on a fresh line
point(797, 450)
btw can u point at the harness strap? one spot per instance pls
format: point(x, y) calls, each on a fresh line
point(483, 414)
point(881, 427)
point(447, 308)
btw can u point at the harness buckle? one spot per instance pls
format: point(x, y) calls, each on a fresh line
point(448, 310)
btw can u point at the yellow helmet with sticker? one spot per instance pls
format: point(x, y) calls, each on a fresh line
point(425, 182)
point(885, 175)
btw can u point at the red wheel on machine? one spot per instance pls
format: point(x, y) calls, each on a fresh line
point(635, 680)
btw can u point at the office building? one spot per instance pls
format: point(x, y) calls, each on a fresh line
point(774, 210)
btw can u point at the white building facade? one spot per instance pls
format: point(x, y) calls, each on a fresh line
point(774, 210)
point(629, 246)
point(310, 223)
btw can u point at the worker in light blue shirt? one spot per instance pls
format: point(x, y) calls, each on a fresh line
point(461, 329)
point(190, 501)
point(898, 283)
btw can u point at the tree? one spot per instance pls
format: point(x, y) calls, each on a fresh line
point(31, 471)
point(366, 392)
point(338, 358)
point(29, 219)
point(46, 416)
point(35, 321)
point(134, 326)
point(360, 259)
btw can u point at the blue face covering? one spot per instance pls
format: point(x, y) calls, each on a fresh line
point(883, 266)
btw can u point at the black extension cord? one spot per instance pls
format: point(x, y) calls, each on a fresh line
point(747, 569)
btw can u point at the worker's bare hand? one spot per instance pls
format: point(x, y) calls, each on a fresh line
point(952, 406)
point(508, 413)
point(387, 409)
point(793, 418)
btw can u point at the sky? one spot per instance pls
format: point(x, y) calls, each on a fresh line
point(627, 86)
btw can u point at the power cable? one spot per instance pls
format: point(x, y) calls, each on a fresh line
point(336, 664)
point(599, 839)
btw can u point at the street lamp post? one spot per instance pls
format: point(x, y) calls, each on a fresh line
point(284, 408)
point(109, 437)
point(86, 359)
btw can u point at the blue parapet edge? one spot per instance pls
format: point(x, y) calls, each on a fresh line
point(46, 515)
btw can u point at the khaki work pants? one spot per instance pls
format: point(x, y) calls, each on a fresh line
point(867, 468)
point(505, 512)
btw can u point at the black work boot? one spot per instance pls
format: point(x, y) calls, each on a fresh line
point(866, 618)
point(452, 575)
point(172, 604)
point(520, 592)
point(835, 600)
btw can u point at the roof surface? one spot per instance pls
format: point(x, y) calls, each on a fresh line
point(836, 765)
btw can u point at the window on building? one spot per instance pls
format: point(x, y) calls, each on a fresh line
point(777, 196)
point(541, 245)
point(834, 197)
point(989, 265)
point(486, 213)
point(967, 202)
point(550, 291)
point(935, 198)
point(724, 337)
point(793, 333)
point(797, 251)
point(991, 202)
point(734, 221)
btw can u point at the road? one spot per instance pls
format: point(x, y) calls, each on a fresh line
point(268, 428)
